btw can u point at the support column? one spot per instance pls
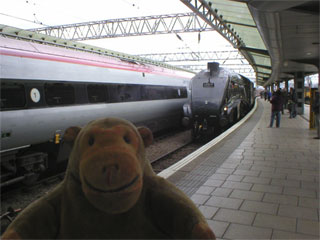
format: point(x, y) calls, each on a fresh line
point(299, 87)
point(286, 85)
point(319, 80)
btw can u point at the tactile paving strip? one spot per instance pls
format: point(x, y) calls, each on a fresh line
point(194, 179)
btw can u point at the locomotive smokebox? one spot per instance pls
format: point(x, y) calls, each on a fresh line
point(213, 67)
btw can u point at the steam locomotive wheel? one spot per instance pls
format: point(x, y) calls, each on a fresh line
point(195, 131)
point(234, 116)
point(243, 110)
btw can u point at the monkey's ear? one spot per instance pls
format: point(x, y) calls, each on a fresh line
point(71, 134)
point(146, 135)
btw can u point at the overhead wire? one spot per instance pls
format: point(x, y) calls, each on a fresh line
point(19, 18)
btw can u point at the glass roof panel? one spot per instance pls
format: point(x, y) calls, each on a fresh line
point(238, 16)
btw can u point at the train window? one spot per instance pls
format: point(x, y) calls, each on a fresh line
point(121, 90)
point(176, 92)
point(153, 92)
point(12, 95)
point(172, 92)
point(59, 94)
point(96, 93)
point(132, 92)
point(234, 88)
point(242, 92)
point(184, 93)
point(124, 92)
point(113, 91)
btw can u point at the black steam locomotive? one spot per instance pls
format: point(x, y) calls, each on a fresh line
point(219, 98)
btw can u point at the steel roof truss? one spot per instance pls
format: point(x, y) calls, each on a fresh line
point(125, 27)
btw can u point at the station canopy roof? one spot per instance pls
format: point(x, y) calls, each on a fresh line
point(237, 15)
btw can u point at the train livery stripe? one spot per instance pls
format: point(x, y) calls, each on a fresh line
point(74, 60)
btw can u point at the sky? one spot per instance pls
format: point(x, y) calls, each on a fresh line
point(28, 14)
point(55, 12)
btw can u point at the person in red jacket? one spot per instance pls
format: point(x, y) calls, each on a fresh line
point(276, 102)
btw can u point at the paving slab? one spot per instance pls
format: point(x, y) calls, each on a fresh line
point(264, 182)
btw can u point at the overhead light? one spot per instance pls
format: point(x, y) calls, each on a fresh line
point(285, 64)
point(308, 53)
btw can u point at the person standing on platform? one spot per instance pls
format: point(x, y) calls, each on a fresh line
point(265, 95)
point(276, 102)
point(269, 95)
point(284, 96)
point(316, 111)
point(293, 101)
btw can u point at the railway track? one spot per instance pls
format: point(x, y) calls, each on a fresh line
point(166, 150)
point(15, 200)
point(167, 144)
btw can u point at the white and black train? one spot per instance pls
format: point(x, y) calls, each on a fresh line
point(45, 89)
point(219, 98)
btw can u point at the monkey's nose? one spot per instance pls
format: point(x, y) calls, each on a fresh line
point(110, 173)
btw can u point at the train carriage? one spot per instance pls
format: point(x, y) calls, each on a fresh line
point(47, 88)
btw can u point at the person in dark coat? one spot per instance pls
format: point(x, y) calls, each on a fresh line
point(265, 95)
point(316, 110)
point(284, 96)
point(276, 102)
point(292, 103)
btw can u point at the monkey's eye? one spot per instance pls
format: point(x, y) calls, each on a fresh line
point(127, 139)
point(91, 141)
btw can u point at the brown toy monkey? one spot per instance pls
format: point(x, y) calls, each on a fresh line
point(110, 192)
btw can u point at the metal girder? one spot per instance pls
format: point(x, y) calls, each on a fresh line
point(204, 10)
point(263, 73)
point(242, 69)
point(125, 27)
point(263, 66)
point(230, 59)
point(255, 50)
point(195, 56)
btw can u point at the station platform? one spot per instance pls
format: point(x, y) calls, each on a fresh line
point(256, 182)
